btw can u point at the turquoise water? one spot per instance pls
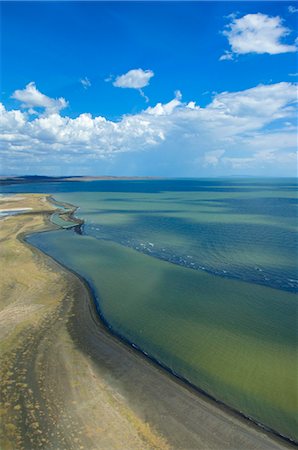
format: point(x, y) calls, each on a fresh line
point(245, 229)
point(201, 275)
point(251, 239)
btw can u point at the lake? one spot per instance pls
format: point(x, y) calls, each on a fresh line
point(199, 274)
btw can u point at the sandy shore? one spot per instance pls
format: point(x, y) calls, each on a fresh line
point(67, 383)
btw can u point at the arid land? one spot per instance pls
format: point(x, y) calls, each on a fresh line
point(67, 383)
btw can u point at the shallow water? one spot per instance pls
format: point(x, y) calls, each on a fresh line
point(245, 229)
point(200, 274)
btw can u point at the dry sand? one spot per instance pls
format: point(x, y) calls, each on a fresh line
point(67, 383)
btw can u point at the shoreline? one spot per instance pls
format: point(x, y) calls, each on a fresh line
point(147, 394)
point(48, 386)
point(160, 364)
point(95, 303)
point(69, 213)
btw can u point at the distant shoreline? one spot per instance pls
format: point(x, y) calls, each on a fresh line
point(40, 179)
point(30, 179)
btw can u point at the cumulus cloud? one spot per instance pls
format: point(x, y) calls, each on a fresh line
point(257, 33)
point(134, 79)
point(167, 108)
point(85, 82)
point(31, 97)
point(236, 129)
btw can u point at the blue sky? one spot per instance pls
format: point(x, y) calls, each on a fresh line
point(199, 58)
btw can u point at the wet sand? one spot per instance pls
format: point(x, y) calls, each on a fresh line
point(67, 383)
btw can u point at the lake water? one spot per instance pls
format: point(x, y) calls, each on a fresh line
point(199, 274)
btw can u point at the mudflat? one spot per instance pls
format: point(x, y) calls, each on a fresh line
point(67, 383)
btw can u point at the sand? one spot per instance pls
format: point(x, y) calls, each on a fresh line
point(67, 383)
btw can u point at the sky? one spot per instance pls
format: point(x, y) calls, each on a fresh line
point(179, 89)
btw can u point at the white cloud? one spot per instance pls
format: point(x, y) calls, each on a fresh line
point(293, 74)
point(257, 33)
point(86, 83)
point(265, 159)
point(212, 158)
point(236, 129)
point(31, 97)
point(227, 56)
point(134, 79)
point(144, 96)
point(167, 108)
point(292, 9)
point(232, 16)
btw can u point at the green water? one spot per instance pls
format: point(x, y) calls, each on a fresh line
point(248, 234)
point(201, 276)
point(233, 339)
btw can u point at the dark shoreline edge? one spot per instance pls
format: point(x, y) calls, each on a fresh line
point(95, 306)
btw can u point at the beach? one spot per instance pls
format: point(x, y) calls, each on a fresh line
point(68, 383)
